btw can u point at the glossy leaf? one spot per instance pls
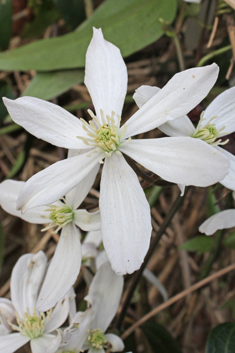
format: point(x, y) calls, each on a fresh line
point(5, 23)
point(47, 85)
point(160, 339)
point(130, 25)
point(222, 339)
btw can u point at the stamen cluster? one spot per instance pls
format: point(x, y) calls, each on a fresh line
point(209, 132)
point(97, 339)
point(60, 216)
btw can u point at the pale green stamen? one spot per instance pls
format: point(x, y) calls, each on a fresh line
point(31, 325)
point(209, 132)
point(106, 137)
point(60, 216)
point(97, 339)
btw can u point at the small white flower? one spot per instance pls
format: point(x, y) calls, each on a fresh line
point(38, 328)
point(7, 313)
point(87, 329)
point(222, 220)
point(125, 213)
point(64, 215)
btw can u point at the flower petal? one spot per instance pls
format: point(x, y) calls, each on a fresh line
point(47, 121)
point(125, 216)
point(105, 75)
point(54, 182)
point(79, 335)
point(180, 95)
point(229, 180)
point(115, 341)
point(179, 127)
point(87, 220)
point(9, 192)
point(7, 313)
point(63, 270)
point(46, 343)
point(59, 315)
point(181, 160)
point(76, 196)
point(94, 236)
point(95, 350)
point(89, 251)
point(223, 108)
point(222, 220)
point(10, 343)
point(26, 279)
point(104, 296)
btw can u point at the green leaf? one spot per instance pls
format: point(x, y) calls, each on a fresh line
point(40, 23)
point(229, 241)
point(73, 12)
point(48, 85)
point(5, 23)
point(130, 25)
point(198, 244)
point(160, 339)
point(222, 339)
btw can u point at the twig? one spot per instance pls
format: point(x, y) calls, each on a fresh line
point(177, 297)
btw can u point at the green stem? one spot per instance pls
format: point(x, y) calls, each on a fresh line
point(213, 54)
point(179, 53)
point(10, 128)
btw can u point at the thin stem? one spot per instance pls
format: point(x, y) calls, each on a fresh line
point(177, 297)
point(136, 277)
point(213, 54)
point(10, 128)
point(179, 53)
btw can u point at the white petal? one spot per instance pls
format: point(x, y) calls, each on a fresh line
point(54, 182)
point(7, 313)
point(104, 296)
point(125, 216)
point(87, 220)
point(10, 343)
point(94, 237)
point(180, 95)
point(79, 336)
point(144, 93)
point(47, 121)
point(58, 316)
point(9, 192)
point(229, 180)
point(101, 259)
point(63, 270)
point(105, 75)
point(76, 196)
point(88, 251)
point(116, 342)
point(179, 127)
point(46, 343)
point(221, 220)
point(94, 350)
point(181, 160)
point(223, 108)
point(26, 279)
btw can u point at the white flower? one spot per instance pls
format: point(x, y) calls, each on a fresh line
point(125, 213)
point(38, 328)
point(194, 1)
point(7, 313)
point(222, 220)
point(87, 329)
point(66, 262)
point(216, 121)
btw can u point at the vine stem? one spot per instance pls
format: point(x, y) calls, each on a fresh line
point(177, 297)
point(136, 277)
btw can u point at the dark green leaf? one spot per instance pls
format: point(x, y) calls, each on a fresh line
point(160, 339)
point(5, 23)
point(229, 241)
point(130, 25)
point(199, 244)
point(222, 339)
point(40, 23)
point(72, 11)
point(50, 84)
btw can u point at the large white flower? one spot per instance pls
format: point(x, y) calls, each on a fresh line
point(221, 220)
point(38, 328)
point(87, 329)
point(66, 262)
point(216, 121)
point(125, 213)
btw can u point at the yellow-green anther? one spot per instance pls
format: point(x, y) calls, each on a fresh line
point(59, 216)
point(97, 339)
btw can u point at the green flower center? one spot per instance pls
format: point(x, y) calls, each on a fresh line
point(107, 137)
point(209, 132)
point(97, 339)
point(59, 216)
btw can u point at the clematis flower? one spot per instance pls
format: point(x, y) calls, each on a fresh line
point(7, 313)
point(125, 213)
point(38, 328)
point(64, 215)
point(221, 220)
point(216, 121)
point(87, 329)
